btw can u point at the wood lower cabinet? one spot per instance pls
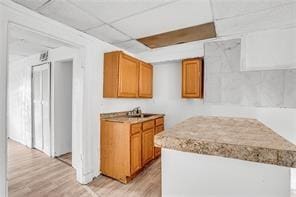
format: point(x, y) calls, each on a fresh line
point(192, 78)
point(125, 148)
point(126, 76)
point(115, 150)
point(136, 153)
point(147, 146)
point(159, 127)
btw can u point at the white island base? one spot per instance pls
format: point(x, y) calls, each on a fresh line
point(190, 174)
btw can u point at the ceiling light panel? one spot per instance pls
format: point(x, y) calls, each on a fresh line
point(230, 8)
point(108, 34)
point(170, 17)
point(189, 34)
point(279, 17)
point(113, 10)
point(69, 14)
point(31, 4)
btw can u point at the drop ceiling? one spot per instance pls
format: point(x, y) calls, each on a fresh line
point(23, 42)
point(122, 22)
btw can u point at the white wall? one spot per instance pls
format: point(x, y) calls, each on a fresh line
point(62, 74)
point(19, 102)
point(3, 104)
point(271, 49)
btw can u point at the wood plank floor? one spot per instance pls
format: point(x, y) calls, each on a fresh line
point(66, 158)
point(33, 174)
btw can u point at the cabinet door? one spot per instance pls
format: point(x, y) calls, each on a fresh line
point(136, 152)
point(128, 77)
point(192, 78)
point(146, 80)
point(157, 150)
point(147, 146)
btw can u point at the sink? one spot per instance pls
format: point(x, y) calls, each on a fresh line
point(147, 115)
point(141, 116)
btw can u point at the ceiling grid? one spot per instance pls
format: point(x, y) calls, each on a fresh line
point(121, 23)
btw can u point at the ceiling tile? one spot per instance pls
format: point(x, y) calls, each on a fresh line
point(170, 17)
point(108, 34)
point(31, 4)
point(273, 18)
point(231, 8)
point(113, 10)
point(69, 14)
point(132, 46)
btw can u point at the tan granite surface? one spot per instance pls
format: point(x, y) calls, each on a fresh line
point(123, 117)
point(239, 138)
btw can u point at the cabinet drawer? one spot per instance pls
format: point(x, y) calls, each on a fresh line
point(159, 129)
point(159, 121)
point(136, 128)
point(148, 125)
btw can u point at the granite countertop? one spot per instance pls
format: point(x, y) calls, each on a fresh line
point(124, 118)
point(239, 138)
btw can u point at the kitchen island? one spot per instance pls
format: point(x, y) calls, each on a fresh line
point(222, 156)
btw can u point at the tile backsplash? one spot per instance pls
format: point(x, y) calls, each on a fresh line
point(226, 84)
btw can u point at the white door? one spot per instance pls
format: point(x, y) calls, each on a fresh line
point(41, 107)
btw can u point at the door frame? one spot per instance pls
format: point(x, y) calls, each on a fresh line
point(32, 108)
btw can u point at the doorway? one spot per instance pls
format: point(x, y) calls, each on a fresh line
point(41, 107)
point(39, 111)
point(62, 109)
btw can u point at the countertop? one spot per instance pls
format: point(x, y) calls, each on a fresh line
point(238, 138)
point(122, 117)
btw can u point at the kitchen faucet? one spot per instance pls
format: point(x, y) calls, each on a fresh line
point(135, 112)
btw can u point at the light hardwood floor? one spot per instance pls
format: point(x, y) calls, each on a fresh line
point(33, 174)
point(66, 158)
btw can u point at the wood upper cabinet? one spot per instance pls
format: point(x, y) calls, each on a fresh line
point(126, 76)
point(192, 78)
point(146, 80)
point(128, 70)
